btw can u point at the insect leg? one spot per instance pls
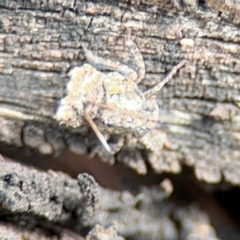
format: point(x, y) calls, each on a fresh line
point(108, 64)
point(136, 56)
point(97, 132)
point(160, 85)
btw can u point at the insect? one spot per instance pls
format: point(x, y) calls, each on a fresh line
point(111, 103)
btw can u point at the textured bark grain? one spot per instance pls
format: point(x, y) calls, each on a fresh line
point(54, 198)
point(41, 41)
point(35, 205)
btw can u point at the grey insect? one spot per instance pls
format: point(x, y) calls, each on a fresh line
point(111, 103)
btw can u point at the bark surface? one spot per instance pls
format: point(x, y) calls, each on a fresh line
point(41, 41)
point(39, 205)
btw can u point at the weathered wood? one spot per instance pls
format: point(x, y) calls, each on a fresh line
point(35, 204)
point(52, 197)
point(41, 42)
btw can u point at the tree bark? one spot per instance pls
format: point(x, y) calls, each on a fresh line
point(51, 205)
point(41, 42)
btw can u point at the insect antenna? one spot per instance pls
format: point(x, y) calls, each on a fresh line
point(162, 118)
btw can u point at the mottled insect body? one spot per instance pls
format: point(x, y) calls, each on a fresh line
point(128, 110)
point(115, 103)
point(111, 102)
